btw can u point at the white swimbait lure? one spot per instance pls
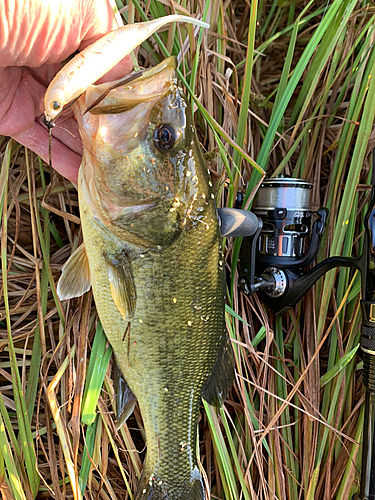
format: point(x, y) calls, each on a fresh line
point(97, 59)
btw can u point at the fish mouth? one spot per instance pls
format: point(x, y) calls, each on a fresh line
point(121, 95)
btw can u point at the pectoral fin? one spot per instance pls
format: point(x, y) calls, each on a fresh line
point(122, 285)
point(75, 277)
point(217, 386)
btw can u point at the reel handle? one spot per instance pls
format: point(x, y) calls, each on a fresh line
point(236, 222)
point(298, 284)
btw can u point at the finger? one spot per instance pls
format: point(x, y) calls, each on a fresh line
point(119, 71)
point(39, 32)
point(98, 19)
point(19, 104)
point(64, 160)
point(49, 31)
point(66, 131)
point(20, 107)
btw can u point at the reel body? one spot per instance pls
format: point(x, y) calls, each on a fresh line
point(284, 206)
point(287, 242)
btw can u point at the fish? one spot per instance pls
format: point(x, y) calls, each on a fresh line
point(152, 253)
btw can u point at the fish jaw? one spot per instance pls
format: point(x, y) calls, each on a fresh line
point(120, 95)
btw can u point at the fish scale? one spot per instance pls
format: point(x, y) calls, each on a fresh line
point(155, 266)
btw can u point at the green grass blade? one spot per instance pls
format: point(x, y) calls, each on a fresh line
point(27, 442)
point(99, 360)
point(340, 365)
point(245, 99)
point(293, 81)
point(239, 470)
point(324, 51)
point(88, 451)
point(228, 476)
point(14, 480)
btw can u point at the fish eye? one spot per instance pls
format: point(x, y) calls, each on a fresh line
point(166, 136)
point(56, 105)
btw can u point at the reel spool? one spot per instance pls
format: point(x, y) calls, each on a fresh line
point(284, 205)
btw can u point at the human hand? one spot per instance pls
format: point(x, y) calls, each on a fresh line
point(35, 37)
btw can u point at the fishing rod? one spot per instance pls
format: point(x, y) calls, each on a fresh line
point(279, 242)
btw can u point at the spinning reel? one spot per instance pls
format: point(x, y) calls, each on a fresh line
point(287, 243)
point(281, 238)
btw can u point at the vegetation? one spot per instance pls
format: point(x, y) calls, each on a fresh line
point(282, 87)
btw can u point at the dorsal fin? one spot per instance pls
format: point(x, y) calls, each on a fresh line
point(75, 277)
point(121, 280)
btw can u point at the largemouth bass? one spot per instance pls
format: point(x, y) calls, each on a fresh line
point(152, 254)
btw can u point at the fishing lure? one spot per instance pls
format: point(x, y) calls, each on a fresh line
point(97, 59)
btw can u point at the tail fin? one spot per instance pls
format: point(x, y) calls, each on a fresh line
point(153, 488)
